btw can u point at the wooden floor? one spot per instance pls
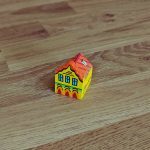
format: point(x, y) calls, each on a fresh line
point(36, 36)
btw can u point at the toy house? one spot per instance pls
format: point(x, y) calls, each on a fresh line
point(74, 77)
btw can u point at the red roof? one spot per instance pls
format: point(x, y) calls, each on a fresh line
point(79, 64)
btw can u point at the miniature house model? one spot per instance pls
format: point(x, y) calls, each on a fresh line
point(73, 78)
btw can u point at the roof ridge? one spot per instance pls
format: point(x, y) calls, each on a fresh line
point(77, 57)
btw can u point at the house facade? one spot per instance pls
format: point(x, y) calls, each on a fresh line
point(73, 78)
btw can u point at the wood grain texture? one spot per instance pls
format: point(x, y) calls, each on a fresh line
point(3, 63)
point(129, 134)
point(37, 36)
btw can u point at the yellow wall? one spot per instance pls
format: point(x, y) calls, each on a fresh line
point(83, 86)
point(87, 81)
point(68, 72)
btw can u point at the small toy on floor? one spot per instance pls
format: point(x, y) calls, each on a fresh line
point(74, 77)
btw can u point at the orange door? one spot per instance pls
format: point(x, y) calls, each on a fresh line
point(67, 93)
point(74, 95)
point(59, 91)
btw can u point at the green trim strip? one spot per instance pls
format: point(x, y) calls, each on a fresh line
point(72, 87)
